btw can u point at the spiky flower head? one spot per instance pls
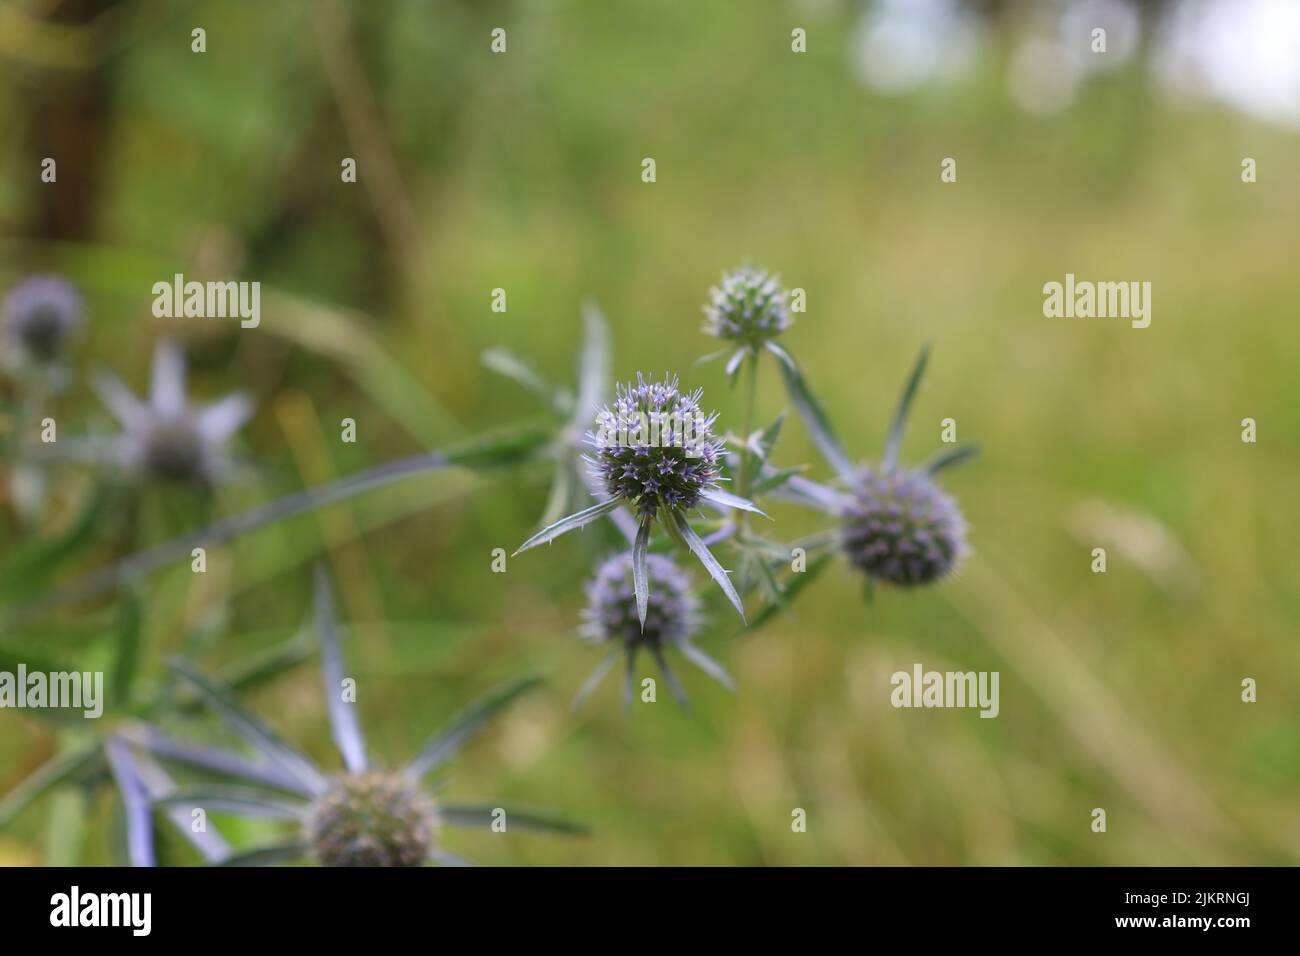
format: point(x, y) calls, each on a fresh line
point(901, 528)
point(655, 447)
point(672, 616)
point(372, 819)
point(166, 438)
point(41, 313)
point(749, 306)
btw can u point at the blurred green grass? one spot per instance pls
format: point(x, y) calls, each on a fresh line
point(1119, 691)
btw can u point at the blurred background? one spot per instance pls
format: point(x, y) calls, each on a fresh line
point(522, 171)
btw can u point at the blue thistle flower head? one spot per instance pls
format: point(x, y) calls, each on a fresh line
point(901, 528)
point(41, 313)
point(372, 819)
point(749, 306)
point(654, 446)
point(672, 616)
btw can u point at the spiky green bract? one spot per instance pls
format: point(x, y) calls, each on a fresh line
point(372, 819)
point(901, 528)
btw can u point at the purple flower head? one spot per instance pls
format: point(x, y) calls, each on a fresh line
point(41, 313)
point(655, 446)
point(372, 819)
point(673, 614)
point(358, 817)
point(901, 528)
point(166, 438)
point(749, 307)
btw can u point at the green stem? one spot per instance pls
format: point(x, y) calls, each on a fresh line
point(751, 394)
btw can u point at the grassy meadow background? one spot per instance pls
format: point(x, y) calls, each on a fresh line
point(522, 171)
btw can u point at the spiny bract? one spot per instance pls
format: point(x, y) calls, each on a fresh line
point(672, 615)
point(654, 446)
point(41, 313)
point(900, 527)
point(372, 819)
point(749, 306)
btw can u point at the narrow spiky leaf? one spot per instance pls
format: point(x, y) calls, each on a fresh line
point(488, 452)
point(135, 803)
point(640, 573)
point(237, 800)
point(213, 759)
point(574, 521)
point(701, 551)
point(707, 664)
point(440, 747)
point(506, 363)
point(252, 730)
point(670, 677)
point(814, 417)
point(482, 816)
point(343, 715)
point(595, 677)
point(727, 500)
point(899, 423)
point(953, 456)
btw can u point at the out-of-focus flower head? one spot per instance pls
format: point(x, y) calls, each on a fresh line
point(41, 314)
point(748, 307)
point(166, 438)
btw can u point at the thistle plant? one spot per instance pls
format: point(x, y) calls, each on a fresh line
point(655, 451)
point(166, 438)
point(362, 816)
point(671, 621)
point(41, 314)
point(899, 527)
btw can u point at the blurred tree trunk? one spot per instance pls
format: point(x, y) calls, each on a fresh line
point(67, 119)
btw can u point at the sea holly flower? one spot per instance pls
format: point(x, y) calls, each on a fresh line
point(41, 314)
point(166, 438)
point(655, 446)
point(654, 450)
point(363, 816)
point(671, 620)
point(897, 526)
point(748, 308)
point(901, 528)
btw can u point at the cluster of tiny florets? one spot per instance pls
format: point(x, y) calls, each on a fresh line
point(672, 615)
point(41, 313)
point(172, 450)
point(654, 446)
point(749, 306)
point(372, 819)
point(901, 528)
